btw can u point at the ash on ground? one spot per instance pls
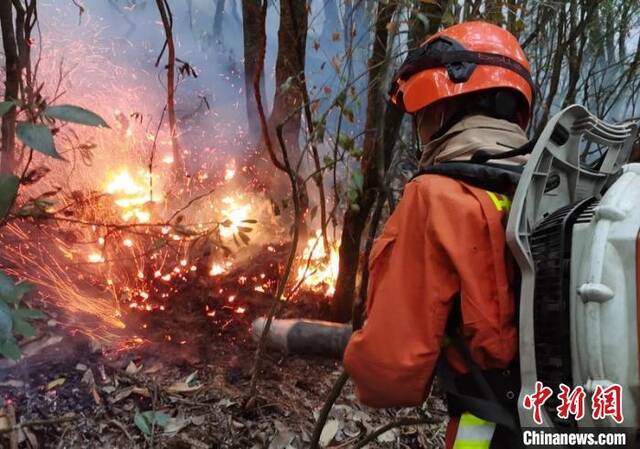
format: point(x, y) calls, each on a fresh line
point(182, 383)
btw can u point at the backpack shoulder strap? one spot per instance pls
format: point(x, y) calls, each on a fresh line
point(499, 178)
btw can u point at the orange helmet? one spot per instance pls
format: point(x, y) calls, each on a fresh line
point(464, 58)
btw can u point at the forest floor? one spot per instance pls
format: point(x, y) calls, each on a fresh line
point(194, 376)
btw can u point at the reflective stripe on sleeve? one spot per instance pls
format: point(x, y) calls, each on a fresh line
point(473, 433)
point(502, 202)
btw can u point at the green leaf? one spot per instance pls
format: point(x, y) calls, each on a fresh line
point(8, 190)
point(142, 423)
point(8, 292)
point(146, 420)
point(22, 327)
point(10, 349)
point(21, 289)
point(5, 106)
point(6, 322)
point(11, 292)
point(75, 114)
point(358, 180)
point(29, 314)
point(38, 137)
point(347, 143)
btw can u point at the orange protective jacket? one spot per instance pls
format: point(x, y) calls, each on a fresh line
point(445, 240)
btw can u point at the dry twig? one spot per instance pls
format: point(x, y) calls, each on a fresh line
point(40, 423)
point(403, 422)
point(326, 408)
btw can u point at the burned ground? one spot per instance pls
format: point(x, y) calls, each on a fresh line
point(194, 368)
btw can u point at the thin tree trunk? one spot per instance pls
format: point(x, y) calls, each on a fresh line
point(167, 23)
point(356, 217)
point(317, 166)
point(26, 18)
point(288, 101)
point(12, 85)
point(252, 35)
point(288, 98)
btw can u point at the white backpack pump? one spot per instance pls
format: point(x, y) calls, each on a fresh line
point(574, 231)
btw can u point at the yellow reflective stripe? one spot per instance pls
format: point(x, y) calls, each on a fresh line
point(467, 419)
point(502, 202)
point(471, 444)
point(473, 433)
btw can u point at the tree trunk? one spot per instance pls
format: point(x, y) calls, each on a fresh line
point(288, 101)
point(356, 216)
point(12, 85)
point(167, 22)
point(288, 98)
point(418, 32)
point(273, 181)
point(252, 35)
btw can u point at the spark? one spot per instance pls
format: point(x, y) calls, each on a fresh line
point(95, 258)
point(216, 270)
point(230, 171)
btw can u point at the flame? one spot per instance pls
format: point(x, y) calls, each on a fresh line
point(317, 270)
point(235, 215)
point(132, 195)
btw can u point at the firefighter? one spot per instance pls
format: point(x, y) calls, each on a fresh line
point(442, 285)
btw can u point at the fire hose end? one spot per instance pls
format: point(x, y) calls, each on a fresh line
point(304, 337)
